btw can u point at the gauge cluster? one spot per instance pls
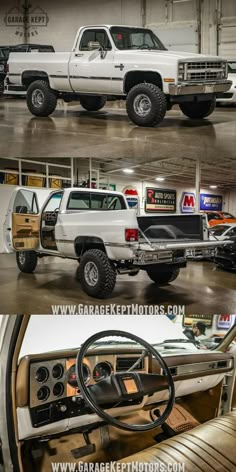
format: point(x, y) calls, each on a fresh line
point(54, 392)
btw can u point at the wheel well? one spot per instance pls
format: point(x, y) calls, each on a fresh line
point(83, 244)
point(31, 75)
point(139, 77)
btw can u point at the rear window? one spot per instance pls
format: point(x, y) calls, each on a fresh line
point(95, 201)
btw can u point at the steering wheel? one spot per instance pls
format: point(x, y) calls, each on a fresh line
point(125, 387)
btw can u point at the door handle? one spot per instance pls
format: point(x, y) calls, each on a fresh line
point(78, 54)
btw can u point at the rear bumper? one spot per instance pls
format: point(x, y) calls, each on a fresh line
point(190, 88)
point(167, 253)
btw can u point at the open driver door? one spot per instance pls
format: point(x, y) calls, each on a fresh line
point(21, 227)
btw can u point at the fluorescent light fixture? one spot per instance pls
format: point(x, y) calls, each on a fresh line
point(128, 171)
point(160, 179)
point(213, 186)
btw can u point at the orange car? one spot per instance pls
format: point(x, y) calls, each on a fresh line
point(219, 217)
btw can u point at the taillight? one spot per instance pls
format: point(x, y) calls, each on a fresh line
point(131, 234)
point(7, 69)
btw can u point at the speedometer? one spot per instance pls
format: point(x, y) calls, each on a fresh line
point(102, 370)
point(72, 378)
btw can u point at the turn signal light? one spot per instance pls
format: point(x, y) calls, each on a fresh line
point(131, 234)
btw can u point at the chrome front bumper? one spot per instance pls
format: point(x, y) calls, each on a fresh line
point(190, 88)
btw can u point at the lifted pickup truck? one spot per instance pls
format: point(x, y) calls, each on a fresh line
point(96, 228)
point(124, 62)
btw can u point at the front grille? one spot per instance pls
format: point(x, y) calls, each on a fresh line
point(202, 71)
point(225, 95)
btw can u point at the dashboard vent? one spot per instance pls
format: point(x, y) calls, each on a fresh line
point(125, 363)
point(221, 364)
point(173, 371)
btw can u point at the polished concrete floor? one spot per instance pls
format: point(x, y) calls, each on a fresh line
point(66, 132)
point(201, 288)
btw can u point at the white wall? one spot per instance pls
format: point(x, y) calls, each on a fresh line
point(6, 192)
point(141, 188)
point(190, 25)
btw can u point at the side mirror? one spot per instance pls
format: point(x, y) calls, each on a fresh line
point(93, 45)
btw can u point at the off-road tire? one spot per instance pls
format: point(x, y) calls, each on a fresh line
point(198, 110)
point(30, 261)
point(49, 98)
point(158, 105)
point(162, 277)
point(93, 103)
point(106, 274)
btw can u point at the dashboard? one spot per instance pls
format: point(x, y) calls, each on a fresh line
point(48, 399)
point(54, 393)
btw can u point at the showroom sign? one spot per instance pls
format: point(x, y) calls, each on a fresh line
point(132, 197)
point(26, 20)
point(188, 202)
point(210, 202)
point(160, 200)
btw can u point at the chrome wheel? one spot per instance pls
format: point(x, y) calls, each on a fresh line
point(142, 105)
point(91, 274)
point(37, 98)
point(21, 258)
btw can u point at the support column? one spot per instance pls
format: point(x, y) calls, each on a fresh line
point(198, 183)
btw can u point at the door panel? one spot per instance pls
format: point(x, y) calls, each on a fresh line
point(21, 226)
point(89, 70)
point(25, 231)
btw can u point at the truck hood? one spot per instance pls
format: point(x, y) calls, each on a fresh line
point(167, 55)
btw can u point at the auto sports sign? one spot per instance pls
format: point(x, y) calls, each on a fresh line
point(188, 202)
point(26, 19)
point(159, 200)
point(210, 202)
point(132, 197)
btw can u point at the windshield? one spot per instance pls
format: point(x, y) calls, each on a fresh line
point(227, 215)
point(219, 230)
point(232, 67)
point(176, 334)
point(135, 38)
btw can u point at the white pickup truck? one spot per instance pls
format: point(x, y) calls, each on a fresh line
point(121, 62)
point(97, 228)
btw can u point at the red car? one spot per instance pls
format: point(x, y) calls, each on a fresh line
point(219, 217)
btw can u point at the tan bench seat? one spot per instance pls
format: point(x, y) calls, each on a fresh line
point(210, 447)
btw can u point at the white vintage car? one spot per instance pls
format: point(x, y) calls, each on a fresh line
point(229, 97)
point(97, 228)
point(124, 62)
point(77, 392)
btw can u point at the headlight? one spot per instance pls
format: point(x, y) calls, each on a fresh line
point(181, 71)
point(1, 68)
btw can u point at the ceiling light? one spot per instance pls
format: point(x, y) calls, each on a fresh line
point(213, 186)
point(160, 179)
point(128, 171)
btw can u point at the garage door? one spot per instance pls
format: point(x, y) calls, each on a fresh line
point(180, 29)
point(227, 29)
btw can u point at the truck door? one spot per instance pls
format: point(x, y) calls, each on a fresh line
point(21, 227)
point(90, 69)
